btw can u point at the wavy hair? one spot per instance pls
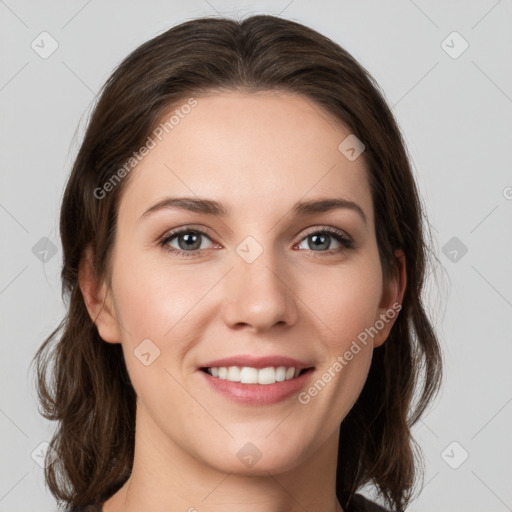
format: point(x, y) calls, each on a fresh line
point(82, 382)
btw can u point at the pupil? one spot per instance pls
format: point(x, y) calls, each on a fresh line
point(191, 240)
point(323, 244)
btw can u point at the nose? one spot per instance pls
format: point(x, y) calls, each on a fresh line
point(259, 295)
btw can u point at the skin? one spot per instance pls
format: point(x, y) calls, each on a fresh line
point(257, 153)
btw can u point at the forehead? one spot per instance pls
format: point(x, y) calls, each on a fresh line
point(258, 153)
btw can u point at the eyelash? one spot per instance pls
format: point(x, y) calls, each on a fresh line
point(347, 243)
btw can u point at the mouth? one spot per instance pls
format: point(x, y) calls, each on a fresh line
point(251, 375)
point(256, 381)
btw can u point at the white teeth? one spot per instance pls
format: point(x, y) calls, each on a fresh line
point(248, 375)
point(267, 375)
point(280, 373)
point(233, 373)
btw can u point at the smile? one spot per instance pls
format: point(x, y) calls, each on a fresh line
point(250, 375)
point(260, 387)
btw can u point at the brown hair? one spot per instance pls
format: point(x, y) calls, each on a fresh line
point(89, 392)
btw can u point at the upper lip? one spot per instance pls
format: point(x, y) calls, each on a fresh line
point(256, 362)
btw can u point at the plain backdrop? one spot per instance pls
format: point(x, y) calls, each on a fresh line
point(446, 71)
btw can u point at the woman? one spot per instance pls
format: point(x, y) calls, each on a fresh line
point(244, 258)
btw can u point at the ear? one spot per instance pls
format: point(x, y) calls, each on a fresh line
point(98, 300)
point(392, 297)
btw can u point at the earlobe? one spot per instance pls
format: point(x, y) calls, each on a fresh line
point(392, 298)
point(98, 301)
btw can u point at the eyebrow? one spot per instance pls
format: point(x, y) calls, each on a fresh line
point(211, 207)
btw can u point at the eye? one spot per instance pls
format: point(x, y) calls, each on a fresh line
point(189, 242)
point(319, 240)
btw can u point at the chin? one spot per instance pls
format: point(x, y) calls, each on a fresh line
point(256, 458)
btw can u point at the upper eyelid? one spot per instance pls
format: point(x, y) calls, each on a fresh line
point(177, 231)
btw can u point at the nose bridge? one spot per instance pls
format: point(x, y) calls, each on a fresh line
point(257, 289)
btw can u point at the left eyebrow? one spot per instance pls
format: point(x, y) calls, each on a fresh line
point(211, 207)
point(303, 208)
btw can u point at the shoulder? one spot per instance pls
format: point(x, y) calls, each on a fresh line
point(359, 503)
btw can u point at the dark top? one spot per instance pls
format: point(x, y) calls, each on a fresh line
point(358, 503)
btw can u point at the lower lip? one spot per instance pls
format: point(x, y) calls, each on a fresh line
point(257, 394)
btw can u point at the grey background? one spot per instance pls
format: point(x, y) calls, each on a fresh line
point(456, 117)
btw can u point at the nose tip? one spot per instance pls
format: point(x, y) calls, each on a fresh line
point(258, 297)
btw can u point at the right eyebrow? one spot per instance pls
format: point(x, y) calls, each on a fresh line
point(193, 204)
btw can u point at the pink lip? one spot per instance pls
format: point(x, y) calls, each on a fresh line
point(256, 362)
point(257, 394)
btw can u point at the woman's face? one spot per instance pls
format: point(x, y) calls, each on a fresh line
point(256, 284)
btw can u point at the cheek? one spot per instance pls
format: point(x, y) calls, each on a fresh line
point(346, 299)
point(345, 305)
point(163, 304)
point(156, 306)
point(152, 297)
